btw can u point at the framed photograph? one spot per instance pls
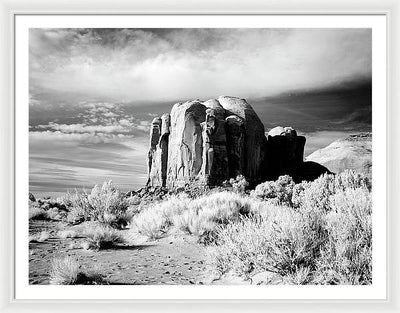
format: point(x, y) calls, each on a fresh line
point(202, 156)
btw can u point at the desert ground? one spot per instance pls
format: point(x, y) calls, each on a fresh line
point(279, 232)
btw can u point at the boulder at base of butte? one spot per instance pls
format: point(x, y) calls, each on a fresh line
point(353, 152)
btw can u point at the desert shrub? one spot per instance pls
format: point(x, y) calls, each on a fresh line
point(73, 199)
point(102, 237)
point(77, 205)
point(347, 256)
point(151, 223)
point(36, 213)
point(238, 184)
point(317, 194)
point(67, 233)
point(39, 237)
point(352, 179)
point(280, 240)
point(66, 271)
point(324, 238)
point(280, 190)
point(76, 215)
point(133, 200)
point(107, 203)
point(54, 214)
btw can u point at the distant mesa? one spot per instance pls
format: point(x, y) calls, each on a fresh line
point(214, 140)
point(353, 152)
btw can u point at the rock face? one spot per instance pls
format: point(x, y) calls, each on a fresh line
point(214, 140)
point(353, 152)
point(235, 141)
point(185, 148)
point(158, 153)
point(152, 169)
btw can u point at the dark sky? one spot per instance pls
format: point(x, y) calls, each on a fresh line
point(93, 92)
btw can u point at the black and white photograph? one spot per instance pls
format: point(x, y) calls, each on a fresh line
point(200, 156)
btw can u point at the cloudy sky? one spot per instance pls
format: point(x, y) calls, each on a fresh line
point(93, 92)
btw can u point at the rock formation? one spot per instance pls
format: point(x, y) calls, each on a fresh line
point(152, 169)
point(218, 139)
point(284, 152)
point(353, 152)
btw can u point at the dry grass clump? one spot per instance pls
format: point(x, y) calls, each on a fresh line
point(155, 221)
point(66, 271)
point(102, 237)
point(198, 217)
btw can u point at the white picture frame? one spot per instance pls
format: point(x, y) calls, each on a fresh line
point(11, 9)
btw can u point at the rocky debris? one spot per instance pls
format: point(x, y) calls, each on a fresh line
point(150, 194)
point(48, 203)
point(32, 197)
point(147, 195)
point(353, 152)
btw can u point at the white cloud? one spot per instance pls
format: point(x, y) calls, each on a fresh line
point(82, 128)
point(146, 65)
point(33, 101)
point(70, 138)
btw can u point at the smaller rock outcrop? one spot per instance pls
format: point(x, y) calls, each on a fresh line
point(284, 152)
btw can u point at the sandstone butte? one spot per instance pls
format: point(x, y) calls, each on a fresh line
point(218, 139)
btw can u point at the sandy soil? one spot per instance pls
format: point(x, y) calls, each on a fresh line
point(171, 260)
